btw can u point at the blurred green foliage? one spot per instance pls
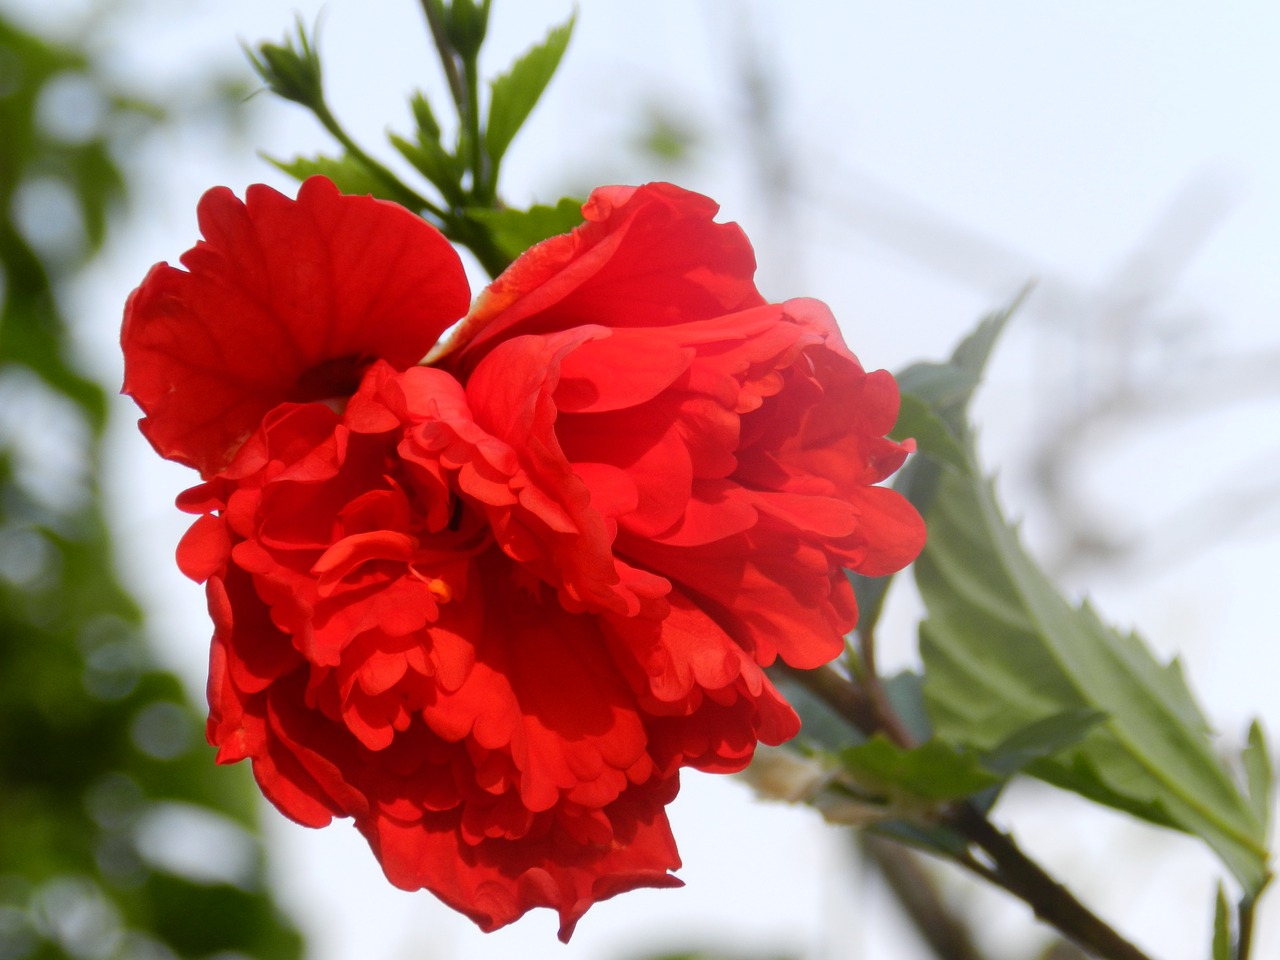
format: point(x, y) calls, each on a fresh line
point(118, 835)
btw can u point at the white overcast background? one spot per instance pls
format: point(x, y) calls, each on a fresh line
point(923, 162)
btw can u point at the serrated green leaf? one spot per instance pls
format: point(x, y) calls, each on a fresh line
point(916, 420)
point(1259, 774)
point(932, 772)
point(946, 388)
point(938, 384)
point(1041, 739)
point(950, 390)
point(515, 231)
point(348, 175)
point(1003, 650)
point(1221, 926)
point(516, 92)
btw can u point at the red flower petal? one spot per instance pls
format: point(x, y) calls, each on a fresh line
point(282, 300)
point(646, 256)
point(496, 882)
point(490, 609)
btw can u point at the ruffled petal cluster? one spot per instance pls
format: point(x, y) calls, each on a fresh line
point(489, 607)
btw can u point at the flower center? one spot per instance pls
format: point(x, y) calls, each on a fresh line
point(439, 589)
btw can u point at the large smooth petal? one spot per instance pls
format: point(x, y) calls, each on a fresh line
point(282, 300)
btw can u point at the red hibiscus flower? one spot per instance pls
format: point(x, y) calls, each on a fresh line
point(490, 606)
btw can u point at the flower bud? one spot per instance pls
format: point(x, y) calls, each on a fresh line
point(467, 24)
point(292, 72)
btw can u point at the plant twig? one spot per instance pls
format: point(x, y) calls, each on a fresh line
point(404, 194)
point(1244, 927)
point(888, 718)
point(840, 695)
point(1007, 866)
point(1029, 882)
point(947, 936)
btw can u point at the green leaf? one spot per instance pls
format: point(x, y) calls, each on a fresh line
point(348, 174)
point(916, 420)
point(949, 387)
point(516, 92)
point(932, 772)
point(944, 389)
point(1041, 739)
point(1012, 669)
point(1003, 650)
point(1259, 774)
point(940, 385)
point(1221, 926)
point(515, 231)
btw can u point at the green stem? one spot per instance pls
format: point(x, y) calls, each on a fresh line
point(471, 117)
point(405, 195)
point(1007, 866)
point(947, 936)
point(480, 242)
point(888, 718)
point(448, 57)
point(1244, 924)
point(1053, 903)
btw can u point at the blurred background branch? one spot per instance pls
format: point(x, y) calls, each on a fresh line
point(118, 837)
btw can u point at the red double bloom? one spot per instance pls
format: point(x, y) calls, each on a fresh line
point(489, 606)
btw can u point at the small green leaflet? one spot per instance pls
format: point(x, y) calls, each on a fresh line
point(932, 772)
point(515, 231)
point(516, 92)
point(1259, 774)
point(434, 162)
point(1221, 926)
point(349, 175)
point(1004, 653)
